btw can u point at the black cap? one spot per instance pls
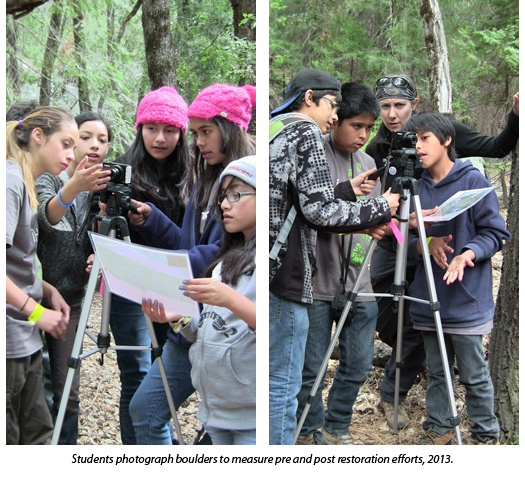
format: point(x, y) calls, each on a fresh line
point(309, 79)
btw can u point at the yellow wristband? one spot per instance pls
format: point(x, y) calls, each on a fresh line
point(36, 314)
point(183, 321)
point(428, 244)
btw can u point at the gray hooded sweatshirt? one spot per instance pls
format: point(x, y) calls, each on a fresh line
point(223, 362)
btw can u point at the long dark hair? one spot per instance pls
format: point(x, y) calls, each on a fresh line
point(236, 143)
point(148, 178)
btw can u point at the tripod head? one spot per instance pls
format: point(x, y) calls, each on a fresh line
point(404, 158)
point(117, 197)
point(402, 155)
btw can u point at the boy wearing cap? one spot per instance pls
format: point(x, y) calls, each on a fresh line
point(340, 260)
point(300, 177)
point(398, 98)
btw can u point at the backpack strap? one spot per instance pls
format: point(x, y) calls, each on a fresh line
point(279, 123)
point(283, 234)
point(277, 126)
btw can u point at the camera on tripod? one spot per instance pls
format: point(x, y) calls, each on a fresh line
point(403, 154)
point(117, 192)
point(120, 173)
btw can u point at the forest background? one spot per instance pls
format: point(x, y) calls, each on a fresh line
point(363, 40)
point(105, 55)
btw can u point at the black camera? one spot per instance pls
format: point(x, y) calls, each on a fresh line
point(116, 195)
point(402, 140)
point(403, 154)
point(120, 173)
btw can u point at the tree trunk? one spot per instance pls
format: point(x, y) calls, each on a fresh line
point(19, 8)
point(83, 90)
point(13, 75)
point(50, 54)
point(158, 44)
point(440, 85)
point(504, 341)
point(240, 9)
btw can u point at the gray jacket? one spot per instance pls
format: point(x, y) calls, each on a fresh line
point(223, 363)
point(63, 248)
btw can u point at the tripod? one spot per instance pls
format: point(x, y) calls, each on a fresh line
point(408, 188)
point(111, 224)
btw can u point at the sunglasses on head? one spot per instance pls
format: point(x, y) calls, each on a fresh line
point(399, 82)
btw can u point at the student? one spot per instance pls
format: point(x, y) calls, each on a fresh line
point(21, 109)
point(299, 175)
point(462, 274)
point(223, 350)
point(219, 119)
point(65, 215)
point(357, 114)
point(398, 98)
point(41, 142)
point(159, 159)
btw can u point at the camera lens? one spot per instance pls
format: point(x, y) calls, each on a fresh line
point(410, 140)
point(116, 174)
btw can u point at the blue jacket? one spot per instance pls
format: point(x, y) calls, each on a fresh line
point(481, 229)
point(159, 231)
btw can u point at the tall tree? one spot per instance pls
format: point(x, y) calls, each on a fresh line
point(82, 76)
point(242, 28)
point(160, 53)
point(440, 85)
point(13, 75)
point(504, 341)
point(50, 54)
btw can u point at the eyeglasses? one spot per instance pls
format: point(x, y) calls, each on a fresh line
point(332, 102)
point(232, 196)
point(384, 87)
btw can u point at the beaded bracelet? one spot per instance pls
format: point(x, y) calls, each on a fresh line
point(36, 314)
point(60, 200)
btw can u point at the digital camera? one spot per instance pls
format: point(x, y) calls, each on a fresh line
point(403, 139)
point(120, 173)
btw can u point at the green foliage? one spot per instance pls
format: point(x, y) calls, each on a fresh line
point(115, 68)
point(364, 39)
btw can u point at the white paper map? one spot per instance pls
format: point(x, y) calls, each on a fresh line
point(135, 272)
point(457, 204)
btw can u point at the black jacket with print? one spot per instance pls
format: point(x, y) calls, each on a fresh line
point(299, 175)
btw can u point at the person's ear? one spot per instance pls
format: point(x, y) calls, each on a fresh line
point(309, 98)
point(415, 103)
point(38, 136)
point(448, 141)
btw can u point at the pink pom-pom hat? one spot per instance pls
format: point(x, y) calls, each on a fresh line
point(163, 105)
point(233, 103)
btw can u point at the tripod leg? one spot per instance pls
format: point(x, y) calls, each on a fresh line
point(74, 361)
point(434, 305)
point(398, 290)
point(158, 358)
point(348, 306)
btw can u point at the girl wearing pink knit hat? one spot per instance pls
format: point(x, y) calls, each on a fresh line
point(219, 119)
point(159, 157)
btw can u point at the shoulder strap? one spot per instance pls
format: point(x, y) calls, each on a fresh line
point(281, 122)
point(283, 234)
point(277, 126)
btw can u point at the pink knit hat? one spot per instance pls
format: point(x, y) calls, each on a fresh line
point(164, 105)
point(234, 103)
